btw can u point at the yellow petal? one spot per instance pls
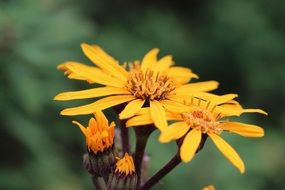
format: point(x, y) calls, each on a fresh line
point(99, 57)
point(209, 187)
point(82, 128)
point(149, 59)
point(71, 74)
point(236, 110)
point(228, 111)
point(198, 86)
point(95, 75)
point(182, 75)
point(254, 111)
point(242, 129)
point(223, 99)
point(174, 106)
point(131, 109)
point(190, 144)
point(164, 63)
point(90, 93)
point(78, 77)
point(101, 118)
point(228, 152)
point(173, 132)
point(158, 114)
point(144, 110)
point(169, 115)
point(140, 120)
point(98, 105)
point(93, 124)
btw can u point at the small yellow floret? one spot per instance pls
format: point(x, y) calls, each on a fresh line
point(99, 134)
point(149, 85)
point(125, 165)
point(202, 119)
point(209, 187)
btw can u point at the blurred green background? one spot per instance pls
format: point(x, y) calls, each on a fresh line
point(239, 43)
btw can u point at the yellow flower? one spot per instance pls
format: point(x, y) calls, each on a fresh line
point(152, 83)
point(125, 165)
point(204, 117)
point(209, 187)
point(99, 134)
point(124, 176)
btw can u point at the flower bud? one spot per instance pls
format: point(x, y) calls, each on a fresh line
point(124, 177)
point(100, 144)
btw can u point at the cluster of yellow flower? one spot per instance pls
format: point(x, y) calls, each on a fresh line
point(153, 93)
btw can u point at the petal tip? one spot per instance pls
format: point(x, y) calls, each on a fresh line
point(56, 97)
point(65, 112)
point(82, 45)
point(242, 170)
point(122, 116)
point(195, 76)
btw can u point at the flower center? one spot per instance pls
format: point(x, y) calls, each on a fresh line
point(203, 120)
point(148, 85)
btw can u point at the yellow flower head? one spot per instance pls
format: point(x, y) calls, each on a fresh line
point(209, 187)
point(99, 134)
point(150, 83)
point(125, 165)
point(199, 117)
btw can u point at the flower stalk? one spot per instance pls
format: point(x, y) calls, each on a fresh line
point(175, 161)
point(99, 183)
point(142, 135)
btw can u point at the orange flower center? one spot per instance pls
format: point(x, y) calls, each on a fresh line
point(149, 85)
point(203, 120)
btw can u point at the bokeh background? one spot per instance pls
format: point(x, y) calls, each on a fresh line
point(239, 43)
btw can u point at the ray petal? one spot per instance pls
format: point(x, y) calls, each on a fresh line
point(90, 93)
point(99, 57)
point(140, 120)
point(228, 152)
point(131, 109)
point(158, 114)
point(95, 75)
point(149, 59)
point(181, 74)
point(223, 99)
point(173, 132)
point(98, 105)
point(254, 111)
point(174, 106)
point(243, 129)
point(164, 63)
point(198, 86)
point(190, 145)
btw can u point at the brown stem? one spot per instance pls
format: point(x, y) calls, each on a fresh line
point(125, 139)
point(125, 136)
point(142, 135)
point(99, 183)
point(176, 160)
